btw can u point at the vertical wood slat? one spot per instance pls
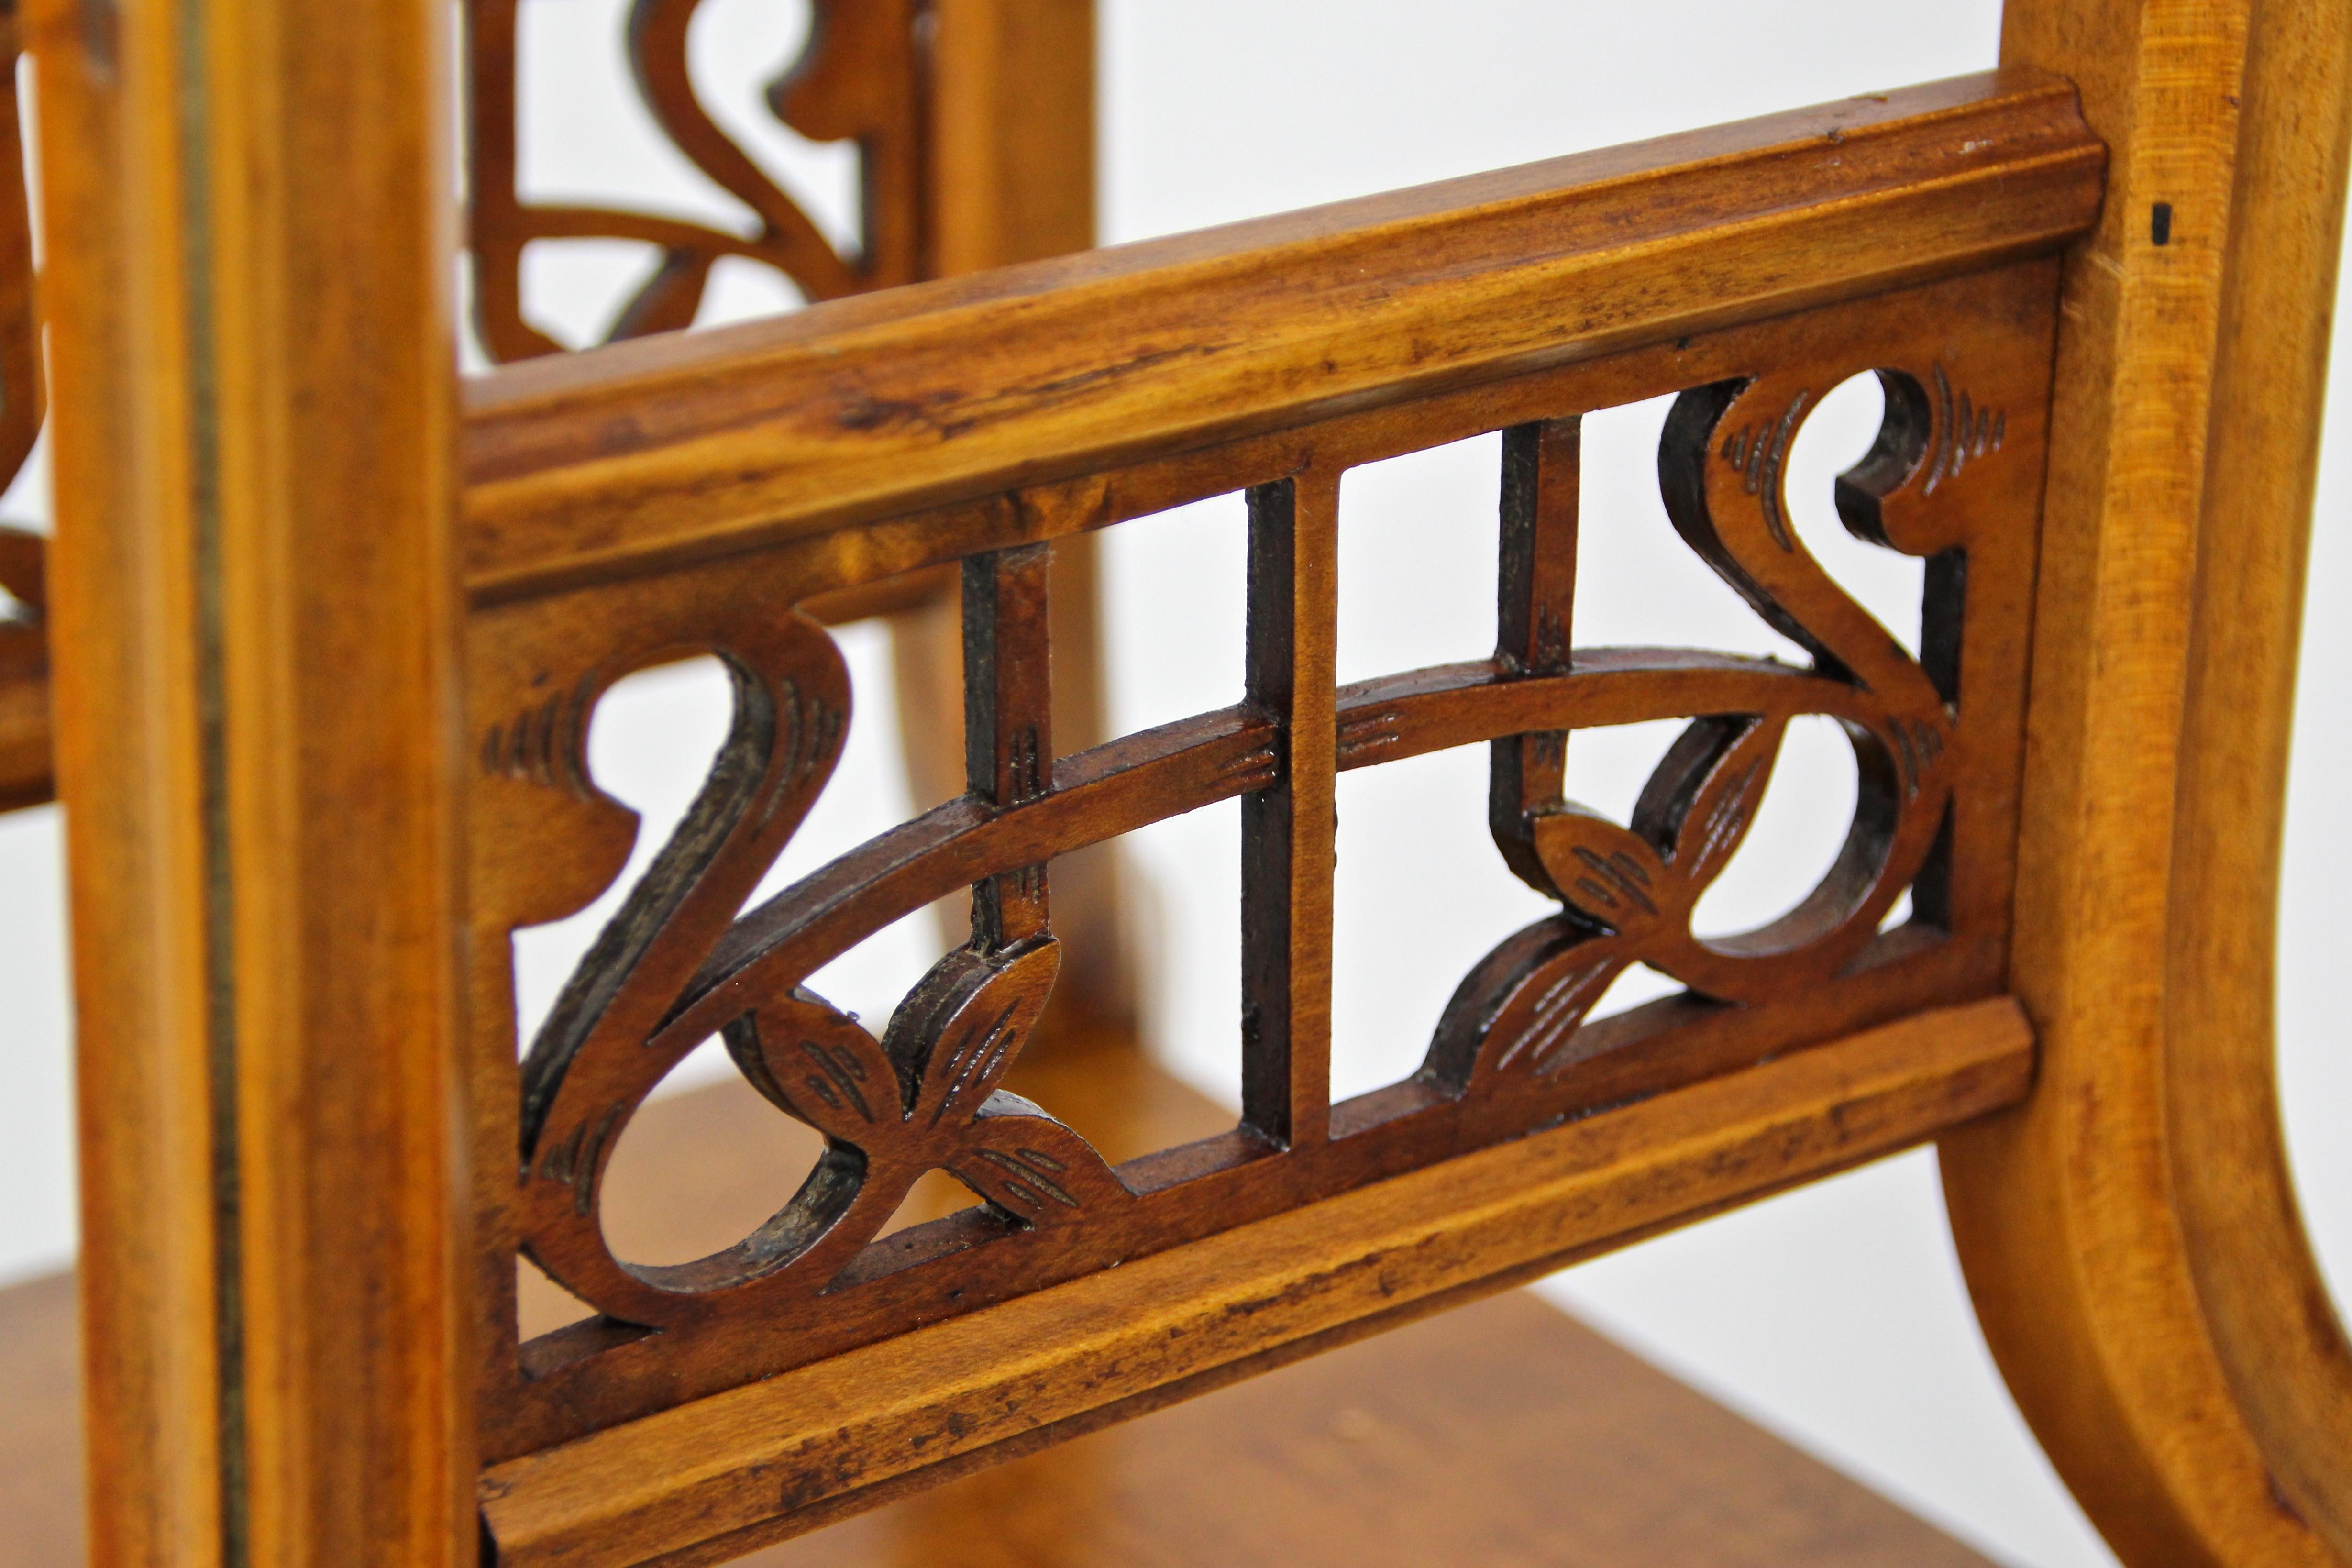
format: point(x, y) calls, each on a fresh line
point(150, 1384)
point(1289, 830)
point(1008, 718)
point(248, 210)
point(1535, 590)
point(1012, 172)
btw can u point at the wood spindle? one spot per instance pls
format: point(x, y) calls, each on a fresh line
point(1008, 719)
point(1535, 600)
point(1289, 830)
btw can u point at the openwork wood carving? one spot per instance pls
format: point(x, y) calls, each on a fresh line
point(858, 81)
point(1951, 478)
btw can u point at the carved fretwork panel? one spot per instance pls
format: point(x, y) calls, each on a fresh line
point(1953, 478)
point(857, 81)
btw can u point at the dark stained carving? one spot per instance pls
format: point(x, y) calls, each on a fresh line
point(855, 81)
point(1517, 1049)
point(1963, 432)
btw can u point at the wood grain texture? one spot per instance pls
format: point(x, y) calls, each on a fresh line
point(1438, 1443)
point(1011, 178)
point(1503, 1435)
point(118, 576)
point(2278, 1334)
point(779, 1455)
point(256, 409)
point(2065, 1212)
point(1013, 132)
point(1290, 832)
point(1955, 473)
point(611, 461)
point(859, 79)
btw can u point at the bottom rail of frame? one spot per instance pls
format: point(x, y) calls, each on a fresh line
point(718, 1477)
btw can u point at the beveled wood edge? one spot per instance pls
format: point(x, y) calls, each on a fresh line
point(781, 1456)
point(1879, 199)
point(250, 301)
point(2072, 1224)
point(629, 459)
point(2278, 1336)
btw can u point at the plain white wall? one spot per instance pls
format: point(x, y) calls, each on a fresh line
point(1834, 1315)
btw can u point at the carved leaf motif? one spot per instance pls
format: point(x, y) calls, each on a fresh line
point(1536, 1025)
point(1030, 1166)
point(1703, 798)
point(957, 1032)
point(1606, 872)
point(1518, 1011)
point(925, 1096)
point(1963, 431)
point(815, 1062)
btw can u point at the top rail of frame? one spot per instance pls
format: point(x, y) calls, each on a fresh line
point(645, 455)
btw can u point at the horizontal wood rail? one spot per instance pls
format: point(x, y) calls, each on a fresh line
point(624, 460)
point(645, 454)
point(718, 1477)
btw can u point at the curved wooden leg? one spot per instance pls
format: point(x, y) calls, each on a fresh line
point(2276, 1331)
point(2067, 1212)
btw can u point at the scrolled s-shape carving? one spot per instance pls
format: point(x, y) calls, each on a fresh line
point(923, 1097)
point(853, 81)
point(1628, 893)
point(1951, 480)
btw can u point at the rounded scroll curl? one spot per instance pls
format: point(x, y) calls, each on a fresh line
point(1628, 893)
point(924, 1097)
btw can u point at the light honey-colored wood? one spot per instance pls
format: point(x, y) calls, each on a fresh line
point(2280, 1340)
point(151, 1374)
point(1011, 123)
point(255, 421)
point(2066, 1210)
point(274, 518)
point(611, 461)
point(1502, 1435)
point(709, 1480)
point(1439, 1443)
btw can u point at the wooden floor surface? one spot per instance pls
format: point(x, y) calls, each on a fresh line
point(1499, 1435)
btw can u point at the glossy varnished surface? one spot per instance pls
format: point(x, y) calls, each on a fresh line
point(606, 463)
point(2134, 1216)
point(1500, 1435)
point(1952, 479)
point(789, 1455)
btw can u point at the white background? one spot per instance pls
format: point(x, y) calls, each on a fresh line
point(1834, 1315)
